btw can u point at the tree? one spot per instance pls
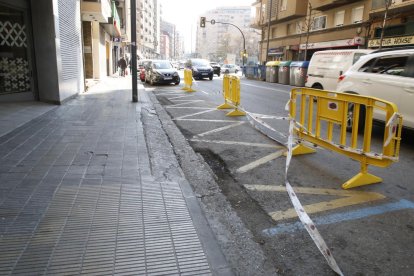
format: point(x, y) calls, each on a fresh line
point(387, 3)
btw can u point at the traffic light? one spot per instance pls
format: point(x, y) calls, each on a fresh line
point(203, 22)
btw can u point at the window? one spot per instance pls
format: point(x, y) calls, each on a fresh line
point(357, 14)
point(388, 65)
point(319, 23)
point(339, 18)
point(273, 33)
point(283, 5)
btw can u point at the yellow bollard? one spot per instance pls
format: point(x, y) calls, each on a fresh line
point(235, 97)
point(188, 80)
point(226, 93)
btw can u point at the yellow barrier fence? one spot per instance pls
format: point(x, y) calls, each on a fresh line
point(188, 80)
point(231, 93)
point(343, 123)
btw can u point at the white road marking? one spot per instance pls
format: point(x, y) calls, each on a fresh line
point(205, 120)
point(260, 161)
point(204, 92)
point(197, 113)
point(219, 129)
point(267, 88)
point(187, 102)
point(185, 96)
point(258, 145)
point(186, 107)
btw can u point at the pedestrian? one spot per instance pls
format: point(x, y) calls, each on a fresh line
point(123, 65)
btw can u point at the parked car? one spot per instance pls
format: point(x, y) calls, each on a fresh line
point(161, 71)
point(230, 68)
point(141, 69)
point(388, 75)
point(216, 68)
point(326, 66)
point(200, 67)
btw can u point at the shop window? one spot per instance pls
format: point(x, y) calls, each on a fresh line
point(319, 23)
point(339, 18)
point(357, 14)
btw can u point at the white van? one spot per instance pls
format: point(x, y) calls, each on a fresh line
point(326, 66)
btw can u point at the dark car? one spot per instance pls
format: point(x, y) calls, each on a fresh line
point(161, 71)
point(201, 68)
point(216, 68)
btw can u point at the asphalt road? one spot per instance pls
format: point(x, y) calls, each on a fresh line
point(369, 229)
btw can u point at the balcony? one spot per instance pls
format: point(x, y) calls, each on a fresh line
point(294, 9)
point(323, 5)
point(113, 27)
point(96, 10)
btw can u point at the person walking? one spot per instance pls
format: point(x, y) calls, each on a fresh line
point(123, 65)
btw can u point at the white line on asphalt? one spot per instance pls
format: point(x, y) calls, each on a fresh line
point(197, 113)
point(259, 145)
point(204, 92)
point(260, 161)
point(186, 107)
point(219, 129)
point(205, 120)
point(181, 97)
point(187, 102)
point(268, 88)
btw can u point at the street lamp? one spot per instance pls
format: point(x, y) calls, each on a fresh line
point(212, 21)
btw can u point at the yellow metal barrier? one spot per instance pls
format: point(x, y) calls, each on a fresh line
point(351, 114)
point(231, 93)
point(188, 80)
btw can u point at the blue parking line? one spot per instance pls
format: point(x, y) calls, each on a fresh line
point(340, 217)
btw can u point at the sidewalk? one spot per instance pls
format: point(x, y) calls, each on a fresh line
point(78, 196)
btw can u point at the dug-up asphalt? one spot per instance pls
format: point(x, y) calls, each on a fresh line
point(93, 187)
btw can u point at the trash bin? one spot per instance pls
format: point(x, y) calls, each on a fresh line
point(261, 71)
point(298, 71)
point(284, 72)
point(274, 71)
point(268, 70)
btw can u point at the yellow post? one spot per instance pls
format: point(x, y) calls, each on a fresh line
point(185, 80)
point(235, 97)
point(226, 93)
point(188, 80)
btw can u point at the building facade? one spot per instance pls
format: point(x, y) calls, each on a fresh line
point(294, 30)
point(219, 39)
point(41, 50)
point(148, 29)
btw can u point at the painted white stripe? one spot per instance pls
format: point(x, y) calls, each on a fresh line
point(258, 145)
point(205, 120)
point(197, 113)
point(260, 161)
point(187, 102)
point(267, 88)
point(219, 129)
point(186, 107)
point(204, 92)
point(179, 97)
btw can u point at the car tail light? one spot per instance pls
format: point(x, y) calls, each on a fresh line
point(341, 77)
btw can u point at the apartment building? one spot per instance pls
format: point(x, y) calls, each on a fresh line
point(295, 29)
point(148, 29)
point(217, 40)
point(102, 43)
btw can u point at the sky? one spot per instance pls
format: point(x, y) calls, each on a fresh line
point(186, 13)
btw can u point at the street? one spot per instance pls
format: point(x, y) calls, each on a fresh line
point(369, 229)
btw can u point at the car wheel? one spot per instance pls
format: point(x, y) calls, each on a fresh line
point(218, 74)
point(317, 86)
point(236, 71)
point(350, 118)
point(211, 77)
point(227, 71)
point(177, 82)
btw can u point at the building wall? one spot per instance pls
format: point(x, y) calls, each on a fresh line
point(57, 42)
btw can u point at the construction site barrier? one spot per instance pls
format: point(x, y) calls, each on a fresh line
point(352, 114)
point(231, 93)
point(188, 80)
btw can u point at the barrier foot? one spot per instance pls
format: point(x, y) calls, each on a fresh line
point(301, 149)
point(225, 106)
point(189, 90)
point(184, 88)
point(236, 112)
point(361, 179)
